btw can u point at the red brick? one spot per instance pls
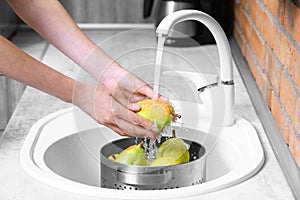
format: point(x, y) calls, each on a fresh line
point(291, 62)
point(297, 116)
point(254, 11)
point(277, 8)
point(257, 46)
point(237, 35)
point(266, 25)
point(284, 53)
point(251, 60)
point(259, 17)
point(245, 25)
point(264, 2)
point(244, 3)
point(264, 86)
point(294, 145)
point(274, 38)
point(288, 96)
point(269, 30)
point(266, 58)
point(286, 129)
point(236, 9)
point(276, 47)
point(296, 76)
point(292, 21)
point(266, 45)
point(295, 62)
point(274, 73)
point(276, 110)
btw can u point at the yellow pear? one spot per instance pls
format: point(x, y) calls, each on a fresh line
point(133, 155)
point(172, 152)
point(159, 112)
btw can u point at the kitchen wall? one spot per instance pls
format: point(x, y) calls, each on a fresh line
point(3, 103)
point(268, 32)
point(8, 19)
point(106, 11)
point(10, 94)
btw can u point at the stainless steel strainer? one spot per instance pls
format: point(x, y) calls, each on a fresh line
point(127, 177)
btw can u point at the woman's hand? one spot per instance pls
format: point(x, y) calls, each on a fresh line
point(125, 90)
point(115, 102)
point(98, 102)
point(124, 86)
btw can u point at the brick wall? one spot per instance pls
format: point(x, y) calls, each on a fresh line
point(268, 32)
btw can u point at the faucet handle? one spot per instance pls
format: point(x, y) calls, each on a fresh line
point(200, 80)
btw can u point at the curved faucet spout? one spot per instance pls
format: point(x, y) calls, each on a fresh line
point(226, 69)
point(166, 25)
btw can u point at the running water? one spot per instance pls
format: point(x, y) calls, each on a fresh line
point(151, 147)
point(160, 45)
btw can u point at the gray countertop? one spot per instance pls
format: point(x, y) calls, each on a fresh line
point(268, 183)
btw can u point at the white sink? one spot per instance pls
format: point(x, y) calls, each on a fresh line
point(65, 155)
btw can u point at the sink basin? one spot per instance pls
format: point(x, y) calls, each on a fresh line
point(64, 153)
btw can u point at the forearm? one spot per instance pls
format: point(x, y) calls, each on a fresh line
point(51, 21)
point(20, 66)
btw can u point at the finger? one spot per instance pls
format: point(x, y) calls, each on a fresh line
point(134, 107)
point(125, 97)
point(134, 90)
point(129, 103)
point(135, 130)
point(118, 130)
point(120, 112)
point(149, 92)
point(133, 118)
point(130, 84)
point(137, 97)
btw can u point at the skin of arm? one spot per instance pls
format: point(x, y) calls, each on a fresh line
point(117, 91)
point(52, 22)
point(20, 66)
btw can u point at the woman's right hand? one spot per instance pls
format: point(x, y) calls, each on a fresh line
point(98, 102)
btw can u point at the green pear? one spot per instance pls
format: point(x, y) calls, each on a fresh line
point(159, 112)
point(171, 152)
point(133, 155)
point(165, 161)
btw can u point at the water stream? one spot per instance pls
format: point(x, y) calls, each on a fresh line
point(151, 147)
point(157, 72)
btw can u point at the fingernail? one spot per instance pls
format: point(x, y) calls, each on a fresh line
point(154, 136)
point(134, 106)
point(151, 135)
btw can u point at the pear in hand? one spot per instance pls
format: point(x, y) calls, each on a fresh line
point(159, 112)
point(133, 155)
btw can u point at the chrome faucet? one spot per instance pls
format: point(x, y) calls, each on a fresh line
point(226, 69)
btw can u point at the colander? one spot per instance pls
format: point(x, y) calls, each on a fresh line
point(128, 177)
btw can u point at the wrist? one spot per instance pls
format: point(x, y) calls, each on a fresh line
point(67, 90)
point(103, 68)
point(112, 76)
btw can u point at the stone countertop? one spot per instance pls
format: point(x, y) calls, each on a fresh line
point(268, 184)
